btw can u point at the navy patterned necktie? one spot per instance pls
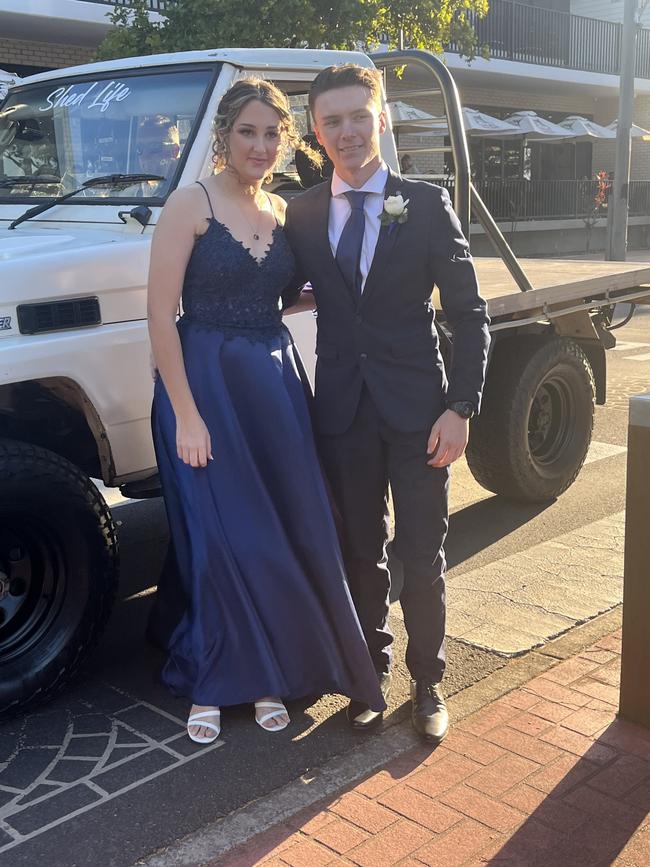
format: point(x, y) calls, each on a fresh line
point(348, 252)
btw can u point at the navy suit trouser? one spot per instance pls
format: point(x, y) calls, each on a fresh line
point(361, 464)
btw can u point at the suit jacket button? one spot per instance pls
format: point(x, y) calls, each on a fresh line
point(363, 356)
point(359, 320)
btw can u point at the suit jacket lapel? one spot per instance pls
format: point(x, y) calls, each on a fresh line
point(385, 242)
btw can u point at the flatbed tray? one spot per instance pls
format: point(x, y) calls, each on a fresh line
point(558, 283)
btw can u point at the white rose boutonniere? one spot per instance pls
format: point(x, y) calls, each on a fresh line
point(394, 212)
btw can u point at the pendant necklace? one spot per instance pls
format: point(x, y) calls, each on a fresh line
point(255, 232)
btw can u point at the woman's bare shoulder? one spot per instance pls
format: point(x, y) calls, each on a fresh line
point(191, 196)
point(189, 204)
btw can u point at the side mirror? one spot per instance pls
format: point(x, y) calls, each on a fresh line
point(141, 214)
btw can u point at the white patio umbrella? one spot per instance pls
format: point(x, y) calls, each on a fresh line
point(405, 116)
point(536, 128)
point(479, 123)
point(475, 123)
point(585, 130)
point(637, 131)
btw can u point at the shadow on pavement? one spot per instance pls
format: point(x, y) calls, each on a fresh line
point(479, 525)
point(587, 814)
point(471, 530)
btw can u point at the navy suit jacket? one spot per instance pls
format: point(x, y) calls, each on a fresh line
point(387, 338)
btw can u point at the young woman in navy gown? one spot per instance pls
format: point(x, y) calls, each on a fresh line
point(270, 617)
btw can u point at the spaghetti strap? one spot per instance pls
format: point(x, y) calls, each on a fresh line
point(207, 195)
point(272, 207)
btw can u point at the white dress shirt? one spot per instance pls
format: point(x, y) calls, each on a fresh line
point(373, 206)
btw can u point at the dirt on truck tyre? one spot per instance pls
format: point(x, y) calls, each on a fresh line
point(532, 436)
point(58, 572)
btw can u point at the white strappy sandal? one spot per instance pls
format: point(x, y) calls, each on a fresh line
point(278, 710)
point(199, 719)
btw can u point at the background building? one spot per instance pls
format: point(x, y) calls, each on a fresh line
point(609, 10)
point(47, 34)
point(555, 57)
point(547, 59)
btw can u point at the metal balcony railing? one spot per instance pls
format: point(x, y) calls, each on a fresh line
point(154, 5)
point(531, 34)
point(518, 199)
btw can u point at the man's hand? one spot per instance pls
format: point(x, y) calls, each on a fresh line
point(448, 439)
point(305, 301)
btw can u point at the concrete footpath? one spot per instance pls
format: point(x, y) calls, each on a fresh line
point(545, 774)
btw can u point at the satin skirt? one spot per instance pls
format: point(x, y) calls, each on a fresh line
point(269, 611)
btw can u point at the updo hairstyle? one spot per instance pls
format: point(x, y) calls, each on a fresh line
point(235, 99)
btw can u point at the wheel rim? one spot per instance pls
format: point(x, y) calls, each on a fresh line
point(551, 421)
point(32, 583)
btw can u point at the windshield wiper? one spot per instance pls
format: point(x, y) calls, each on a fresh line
point(103, 181)
point(29, 180)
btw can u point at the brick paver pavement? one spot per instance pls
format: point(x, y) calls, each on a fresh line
point(545, 776)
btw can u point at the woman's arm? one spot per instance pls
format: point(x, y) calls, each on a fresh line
point(172, 244)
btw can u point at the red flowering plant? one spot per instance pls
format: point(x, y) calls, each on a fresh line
point(598, 204)
point(603, 184)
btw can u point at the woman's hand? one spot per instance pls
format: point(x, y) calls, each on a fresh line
point(193, 441)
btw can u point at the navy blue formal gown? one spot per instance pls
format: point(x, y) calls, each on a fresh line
point(269, 612)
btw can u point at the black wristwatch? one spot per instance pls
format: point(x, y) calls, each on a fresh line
point(464, 408)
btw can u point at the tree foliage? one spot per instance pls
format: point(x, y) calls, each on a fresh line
point(200, 24)
point(132, 34)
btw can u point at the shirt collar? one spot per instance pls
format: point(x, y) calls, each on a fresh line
point(376, 183)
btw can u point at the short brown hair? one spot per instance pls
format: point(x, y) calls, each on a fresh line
point(348, 75)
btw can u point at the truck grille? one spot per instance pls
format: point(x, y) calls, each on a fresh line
point(58, 315)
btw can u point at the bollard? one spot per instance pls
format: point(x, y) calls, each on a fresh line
point(634, 702)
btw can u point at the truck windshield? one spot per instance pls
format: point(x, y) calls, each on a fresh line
point(70, 131)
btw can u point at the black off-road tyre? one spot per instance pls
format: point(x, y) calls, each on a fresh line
point(58, 572)
point(532, 436)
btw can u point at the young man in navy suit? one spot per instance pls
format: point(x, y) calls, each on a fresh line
point(387, 412)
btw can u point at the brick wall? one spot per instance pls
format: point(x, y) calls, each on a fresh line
point(605, 152)
point(502, 97)
point(640, 165)
point(15, 52)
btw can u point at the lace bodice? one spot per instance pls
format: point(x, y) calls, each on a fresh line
point(227, 288)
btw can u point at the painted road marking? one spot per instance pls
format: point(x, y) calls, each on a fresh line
point(465, 490)
point(127, 748)
point(623, 345)
point(644, 357)
point(599, 451)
